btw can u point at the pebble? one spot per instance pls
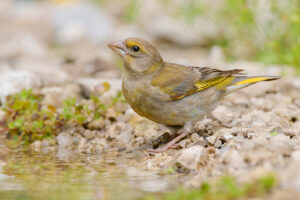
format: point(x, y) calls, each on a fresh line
point(13, 81)
point(193, 157)
point(97, 124)
point(211, 139)
point(89, 134)
point(64, 139)
point(195, 137)
point(218, 144)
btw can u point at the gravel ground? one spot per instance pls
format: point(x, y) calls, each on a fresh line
point(262, 133)
point(261, 136)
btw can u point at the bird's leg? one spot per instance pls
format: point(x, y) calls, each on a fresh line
point(183, 132)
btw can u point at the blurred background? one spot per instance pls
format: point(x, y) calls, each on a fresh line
point(53, 42)
point(59, 48)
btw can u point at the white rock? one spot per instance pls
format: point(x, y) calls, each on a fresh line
point(36, 146)
point(56, 95)
point(296, 82)
point(233, 158)
point(211, 139)
point(296, 155)
point(13, 81)
point(193, 157)
point(224, 113)
point(218, 144)
point(2, 115)
point(89, 134)
point(64, 139)
point(50, 71)
point(88, 85)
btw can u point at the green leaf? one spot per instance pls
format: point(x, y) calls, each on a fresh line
point(274, 133)
point(19, 122)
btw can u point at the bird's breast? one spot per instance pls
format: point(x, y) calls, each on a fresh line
point(133, 92)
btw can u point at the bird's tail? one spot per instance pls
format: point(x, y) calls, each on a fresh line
point(244, 81)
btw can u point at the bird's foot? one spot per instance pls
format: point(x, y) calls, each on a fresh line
point(169, 145)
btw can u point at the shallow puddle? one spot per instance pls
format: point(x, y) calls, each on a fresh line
point(28, 175)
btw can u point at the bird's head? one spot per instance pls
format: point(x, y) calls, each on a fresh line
point(139, 56)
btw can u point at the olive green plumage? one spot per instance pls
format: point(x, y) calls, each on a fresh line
point(169, 93)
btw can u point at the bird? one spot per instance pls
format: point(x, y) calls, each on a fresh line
point(173, 94)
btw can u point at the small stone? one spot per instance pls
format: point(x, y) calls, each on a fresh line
point(226, 134)
point(202, 142)
point(97, 124)
point(36, 146)
point(89, 135)
point(233, 158)
point(2, 115)
point(291, 132)
point(249, 135)
point(124, 118)
point(76, 139)
point(55, 96)
point(296, 82)
point(222, 138)
point(88, 86)
point(193, 157)
point(218, 144)
point(211, 150)
point(211, 139)
point(111, 113)
point(45, 143)
point(140, 140)
point(64, 139)
point(13, 81)
point(201, 125)
point(296, 155)
point(184, 143)
point(82, 145)
point(195, 137)
point(121, 107)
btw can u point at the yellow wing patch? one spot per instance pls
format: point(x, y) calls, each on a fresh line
point(252, 80)
point(220, 82)
point(178, 82)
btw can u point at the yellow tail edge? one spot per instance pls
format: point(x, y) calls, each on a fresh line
point(251, 80)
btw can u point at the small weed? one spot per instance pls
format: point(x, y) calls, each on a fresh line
point(274, 133)
point(27, 120)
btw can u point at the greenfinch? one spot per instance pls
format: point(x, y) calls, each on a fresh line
point(173, 94)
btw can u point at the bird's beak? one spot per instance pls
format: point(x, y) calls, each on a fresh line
point(118, 47)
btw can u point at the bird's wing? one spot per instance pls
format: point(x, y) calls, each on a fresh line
point(178, 81)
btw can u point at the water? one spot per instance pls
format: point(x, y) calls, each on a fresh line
point(29, 175)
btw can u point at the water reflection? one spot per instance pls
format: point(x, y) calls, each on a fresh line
point(29, 175)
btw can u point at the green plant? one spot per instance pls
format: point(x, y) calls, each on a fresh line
point(27, 119)
point(272, 40)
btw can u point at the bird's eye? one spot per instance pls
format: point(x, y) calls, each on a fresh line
point(136, 48)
